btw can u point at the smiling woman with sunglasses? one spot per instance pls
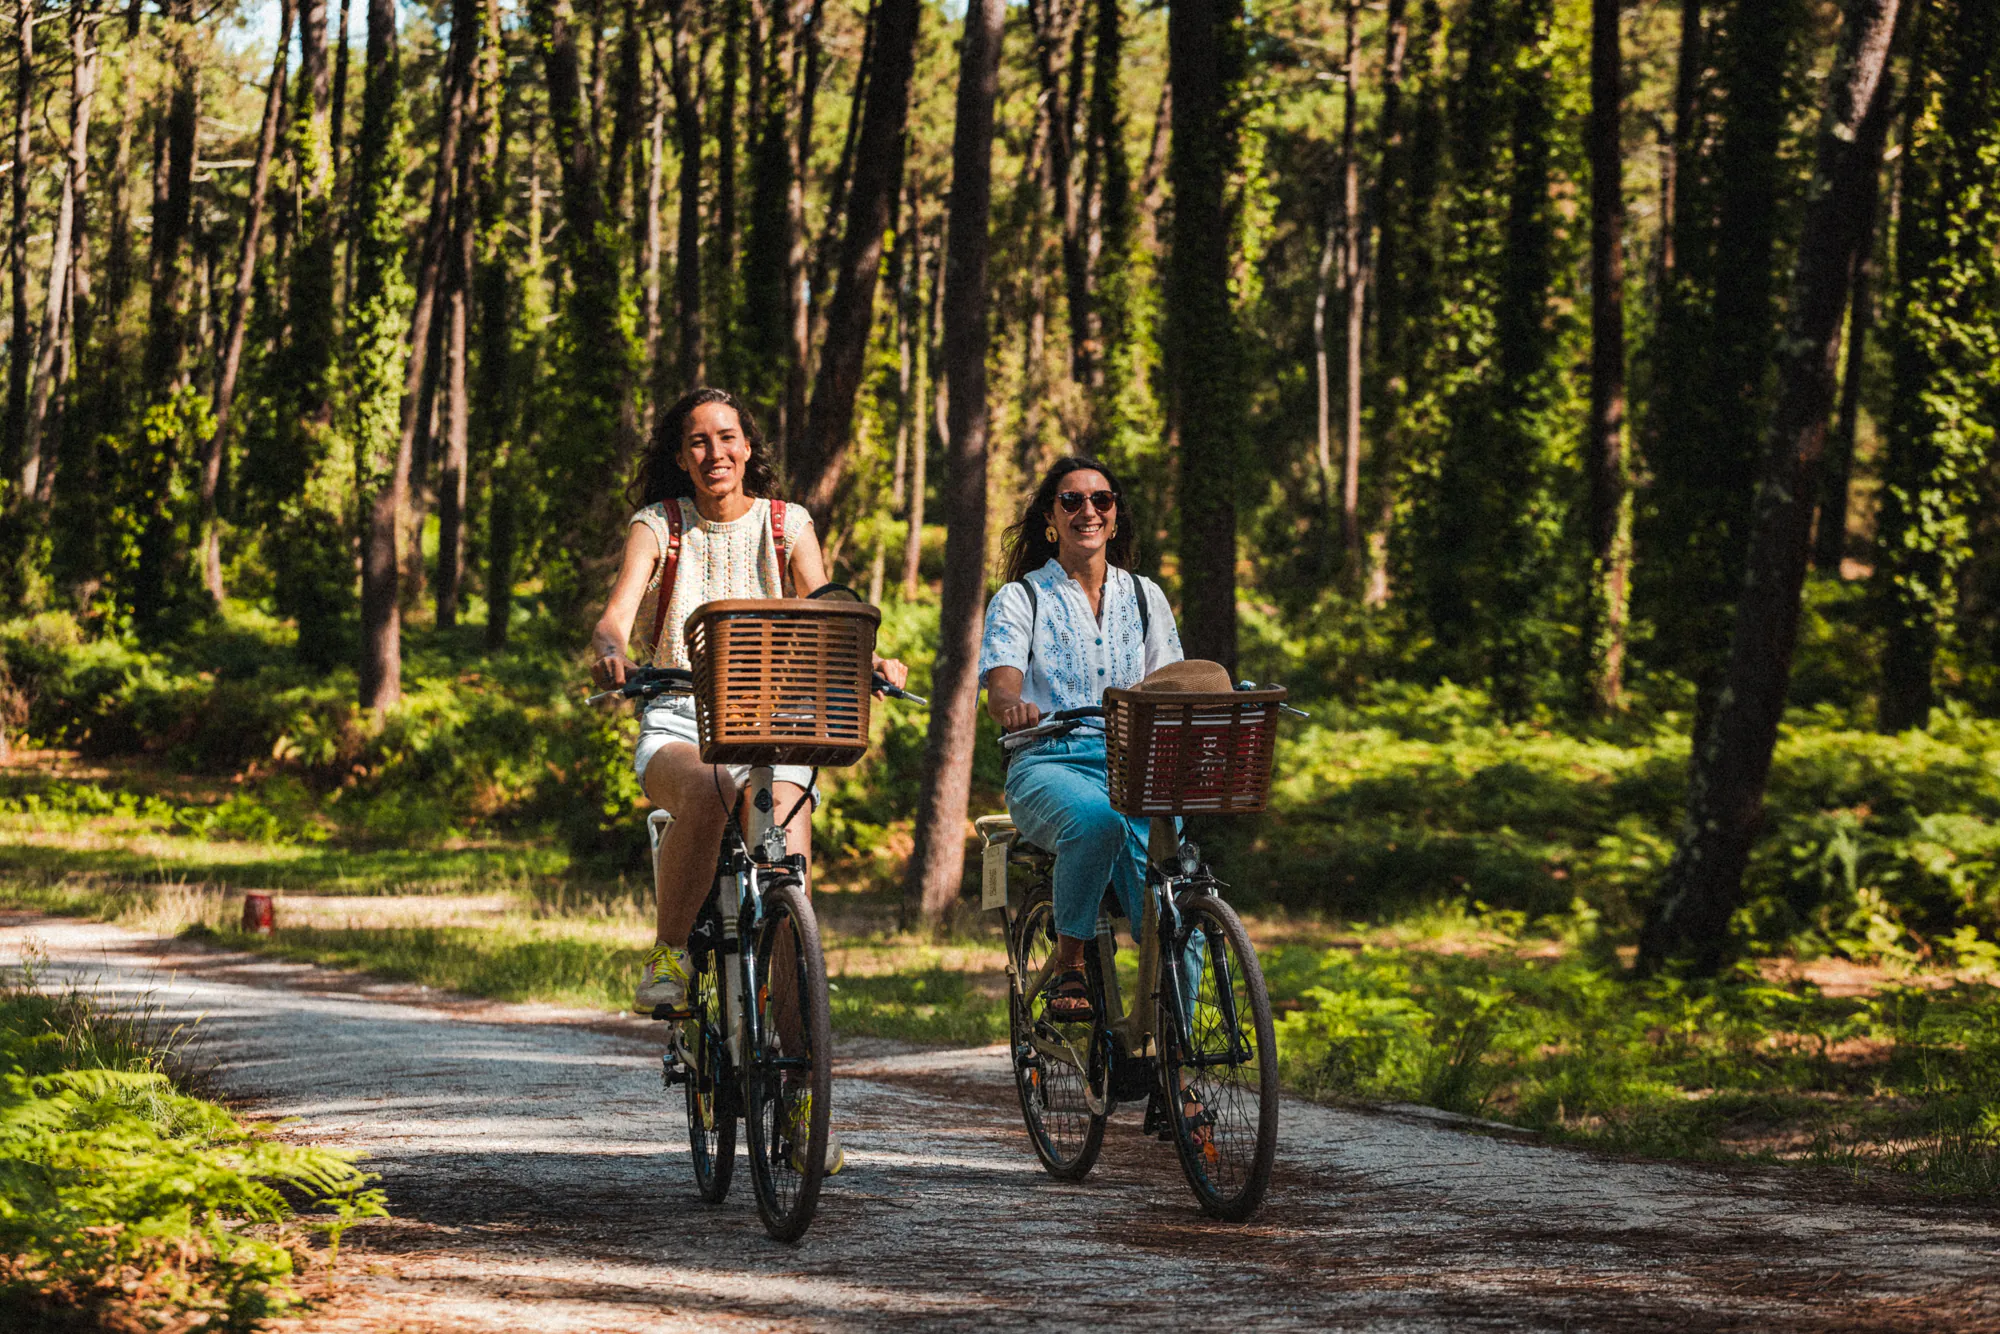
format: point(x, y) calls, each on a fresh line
point(1071, 621)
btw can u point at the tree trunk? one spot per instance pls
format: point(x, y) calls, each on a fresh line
point(820, 457)
point(767, 272)
point(625, 112)
point(453, 472)
point(312, 551)
point(21, 343)
point(653, 245)
point(118, 228)
point(1830, 537)
point(1679, 154)
point(1394, 200)
point(497, 361)
point(687, 248)
point(1108, 183)
point(1732, 760)
point(166, 319)
point(937, 863)
point(1939, 441)
point(1610, 487)
point(1204, 41)
point(337, 131)
point(1055, 29)
point(925, 387)
point(724, 282)
point(375, 333)
point(798, 312)
point(1329, 251)
point(601, 427)
point(1354, 283)
point(843, 178)
point(76, 171)
point(239, 311)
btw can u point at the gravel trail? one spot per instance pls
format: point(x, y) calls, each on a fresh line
point(540, 1181)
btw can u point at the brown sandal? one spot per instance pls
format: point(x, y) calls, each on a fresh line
point(1068, 997)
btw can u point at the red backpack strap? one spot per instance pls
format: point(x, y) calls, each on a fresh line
point(670, 561)
point(778, 542)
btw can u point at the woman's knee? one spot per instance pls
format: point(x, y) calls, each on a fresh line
point(1096, 834)
point(678, 781)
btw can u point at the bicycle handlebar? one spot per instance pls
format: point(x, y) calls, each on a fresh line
point(652, 682)
point(1065, 721)
point(1060, 723)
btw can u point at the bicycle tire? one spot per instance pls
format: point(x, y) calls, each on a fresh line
point(787, 1186)
point(1056, 1094)
point(1229, 1069)
point(711, 1082)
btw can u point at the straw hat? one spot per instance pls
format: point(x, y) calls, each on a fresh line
point(1192, 677)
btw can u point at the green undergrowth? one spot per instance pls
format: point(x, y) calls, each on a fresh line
point(1541, 1028)
point(125, 1197)
point(483, 749)
point(1417, 797)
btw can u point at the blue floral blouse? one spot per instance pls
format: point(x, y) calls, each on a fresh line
point(1077, 655)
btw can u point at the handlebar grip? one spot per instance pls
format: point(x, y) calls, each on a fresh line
point(883, 685)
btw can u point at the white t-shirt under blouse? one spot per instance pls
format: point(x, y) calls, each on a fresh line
point(1077, 655)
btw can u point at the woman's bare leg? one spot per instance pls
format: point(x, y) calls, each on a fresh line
point(678, 781)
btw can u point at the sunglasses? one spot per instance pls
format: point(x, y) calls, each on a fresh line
point(1102, 501)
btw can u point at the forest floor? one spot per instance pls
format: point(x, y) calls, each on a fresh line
point(538, 1181)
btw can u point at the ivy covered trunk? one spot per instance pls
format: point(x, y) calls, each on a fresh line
point(377, 323)
point(594, 352)
point(1732, 756)
point(1946, 346)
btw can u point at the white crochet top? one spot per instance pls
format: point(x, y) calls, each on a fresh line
point(718, 560)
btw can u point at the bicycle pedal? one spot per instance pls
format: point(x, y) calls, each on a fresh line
point(672, 1012)
point(672, 1072)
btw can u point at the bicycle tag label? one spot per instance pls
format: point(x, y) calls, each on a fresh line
point(993, 874)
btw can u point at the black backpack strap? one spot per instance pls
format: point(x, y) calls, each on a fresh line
point(1034, 613)
point(1140, 583)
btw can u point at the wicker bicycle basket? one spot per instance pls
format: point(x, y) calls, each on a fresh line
point(782, 680)
point(1190, 754)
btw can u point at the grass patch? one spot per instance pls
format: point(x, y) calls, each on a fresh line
point(127, 1197)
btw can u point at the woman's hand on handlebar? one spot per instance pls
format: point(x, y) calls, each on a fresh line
point(1013, 717)
point(892, 671)
point(611, 669)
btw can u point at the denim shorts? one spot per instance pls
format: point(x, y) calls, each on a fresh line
point(667, 720)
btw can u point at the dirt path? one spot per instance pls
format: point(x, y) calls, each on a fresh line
point(540, 1182)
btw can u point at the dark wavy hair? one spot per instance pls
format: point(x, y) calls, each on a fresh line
point(661, 476)
point(1026, 545)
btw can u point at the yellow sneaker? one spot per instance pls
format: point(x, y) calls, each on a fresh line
point(800, 1124)
point(664, 983)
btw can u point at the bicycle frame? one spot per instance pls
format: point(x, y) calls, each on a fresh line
point(738, 865)
point(1160, 918)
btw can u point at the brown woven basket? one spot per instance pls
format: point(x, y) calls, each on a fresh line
point(782, 680)
point(1190, 754)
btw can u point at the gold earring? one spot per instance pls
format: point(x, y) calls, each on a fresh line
point(1051, 531)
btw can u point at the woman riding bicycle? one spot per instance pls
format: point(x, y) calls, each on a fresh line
point(709, 523)
point(1069, 623)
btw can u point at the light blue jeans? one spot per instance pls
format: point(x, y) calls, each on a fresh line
point(1058, 799)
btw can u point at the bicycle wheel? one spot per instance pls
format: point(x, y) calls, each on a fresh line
point(791, 1085)
point(1221, 1072)
point(1060, 1068)
point(711, 1081)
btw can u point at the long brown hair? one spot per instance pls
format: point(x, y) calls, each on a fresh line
point(661, 476)
point(1027, 545)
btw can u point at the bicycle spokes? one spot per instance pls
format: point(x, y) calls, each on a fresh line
point(1221, 1076)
